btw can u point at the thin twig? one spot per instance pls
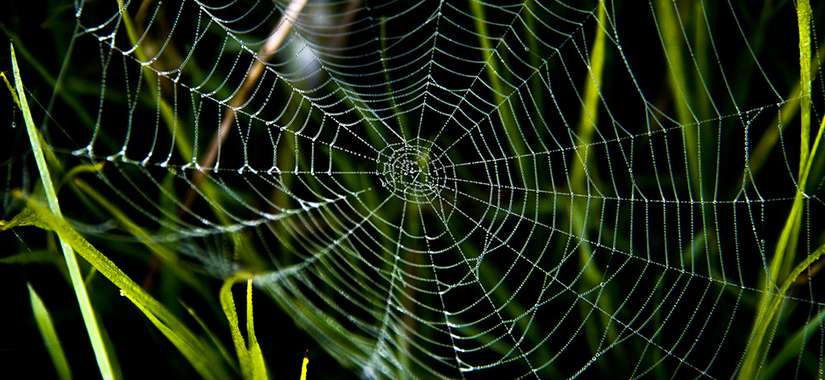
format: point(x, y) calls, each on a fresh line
point(274, 41)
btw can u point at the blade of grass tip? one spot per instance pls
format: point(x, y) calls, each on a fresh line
point(11, 89)
point(49, 334)
point(250, 357)
point(54, 83)
point(304, 366)
point(203, 358)
point(89, 319)
point(228, 305)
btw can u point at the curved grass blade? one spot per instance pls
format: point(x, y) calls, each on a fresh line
point(786, 247)
point(206, 361)
point(89, 319)
point(50, 338)
point(250, 356)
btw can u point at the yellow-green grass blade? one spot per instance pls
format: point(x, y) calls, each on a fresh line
point(250, 356)
point(182, 142)
point(494, 75)
point(582, 172)
point(794, 346)
point(55, 83)
point(784, 253)
point(672, 40)
point(211, 335)
point(590, 105)
point(10, 88)
point(203, 357)
point(89, 318)
point(258, 364)
point(33, 257)
point(44, 323)
point(304, 367)
point(803, 16)
point(168, 256)
point(767, 313)
point(786, 247)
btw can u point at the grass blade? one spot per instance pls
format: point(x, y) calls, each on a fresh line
point(803, 15)
point(582, 178)
point(50, 338)
point(250, 357)
point(206, 361)
point(755, 354)
point(304, 367)
point(786, 247)
point(496, 76)
point(89, 319)
point(212, 337)
point(794, 346)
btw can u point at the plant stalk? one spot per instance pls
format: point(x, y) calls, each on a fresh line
point(86, 310)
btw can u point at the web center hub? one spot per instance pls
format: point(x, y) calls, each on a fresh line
point(414, 170)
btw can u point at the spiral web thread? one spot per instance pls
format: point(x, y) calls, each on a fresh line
point(434, 195)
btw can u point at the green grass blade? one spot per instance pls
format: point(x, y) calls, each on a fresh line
point(228, 305)
point(258, 365)
point(54, 83)
point(250, 357)
point(757, 347)
point(89, 319)
point(590, 105)
point(168, 256)
point(50, 338)
point(496, 75)
point(582, 172)
point(212, 337)
point(11, 89)
point(206, 361)
point(788, 111)
point(786, 247)
point(304, 367)
point(672, 41)
point(794, 346)
point(33, 257)
point(803, 15)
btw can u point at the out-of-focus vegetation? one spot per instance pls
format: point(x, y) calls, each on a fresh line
point(147, 281)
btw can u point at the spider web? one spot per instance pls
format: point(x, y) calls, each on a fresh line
point(431, 190)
